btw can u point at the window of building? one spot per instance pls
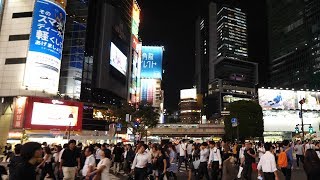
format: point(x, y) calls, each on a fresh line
point(15, 61)
point(22, 14)
point(19, 37)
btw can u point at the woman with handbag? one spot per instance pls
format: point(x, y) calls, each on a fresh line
point(103, 168)
point(46, 164)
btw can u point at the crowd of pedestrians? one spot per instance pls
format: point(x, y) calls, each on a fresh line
point(161, 161)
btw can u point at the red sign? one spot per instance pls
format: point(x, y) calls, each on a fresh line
point(18, 115)
point(135, 42)
point(48, 114)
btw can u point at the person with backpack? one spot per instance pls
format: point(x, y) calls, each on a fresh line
point(285, 159)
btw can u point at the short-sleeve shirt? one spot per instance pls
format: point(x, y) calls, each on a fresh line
point(247, 158)
point(69, 158)
point(90, 161)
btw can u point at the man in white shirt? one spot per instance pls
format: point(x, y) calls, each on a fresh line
point(299, 152)
point(90, 162)
point(204, 155)
point(139, 165)
point(215, 160)
point(183, 155)
point(189, 150)
point(267, 165)
point(97, 147)
point(261, 150)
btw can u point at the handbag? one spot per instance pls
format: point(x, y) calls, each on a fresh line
point(254, 166)
point(196, 164)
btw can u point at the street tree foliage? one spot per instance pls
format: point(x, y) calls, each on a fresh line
point(250, 118)
point(144, 114)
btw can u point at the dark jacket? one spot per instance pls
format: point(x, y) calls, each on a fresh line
point(24, 171)
point(14, 162)
point(130, 155)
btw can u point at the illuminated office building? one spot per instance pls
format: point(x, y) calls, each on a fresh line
point(189, 107)
point(294, 43)
point(222, 66)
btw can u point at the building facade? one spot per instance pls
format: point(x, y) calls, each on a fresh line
point(294, 32)
point(222, 65)
point(190, 112)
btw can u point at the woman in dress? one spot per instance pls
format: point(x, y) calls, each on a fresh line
point(46, 164)
point(103, 168)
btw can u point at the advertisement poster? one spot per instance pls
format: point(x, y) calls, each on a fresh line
point(45, 47)
point(151, 66)
point(117, 59)
point(148, 90)
point(277, 99)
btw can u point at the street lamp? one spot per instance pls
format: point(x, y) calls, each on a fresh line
point(301, 102)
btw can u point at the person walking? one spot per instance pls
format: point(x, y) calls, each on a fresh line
point(102, 172)
point(97, 148)
point(183, 155)
point(128, 158)
point(31, 152)
point(161, 164)
point(204, 155)
point(299, 153)
point(215, 160)
point(15, 161)
point(90, 162)
point(173, 169)
point(249, 159)
point(312, 165)
point(46, 164)
point(289, 151)
point(267, 165)
point(70, 161)
point(139, 165)
point(117, 159)
point(261, 150)
point(229, 169)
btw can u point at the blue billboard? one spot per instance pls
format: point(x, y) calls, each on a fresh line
point(151, 65)
point(45, 46)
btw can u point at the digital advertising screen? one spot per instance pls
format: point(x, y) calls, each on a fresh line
point(46, 114)
point(311, 100)
point(277, 99)
point(45, 46)
point(188, 94)
point(117, 59)
point(151, 66)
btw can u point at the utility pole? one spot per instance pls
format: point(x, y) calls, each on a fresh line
point(301, 102)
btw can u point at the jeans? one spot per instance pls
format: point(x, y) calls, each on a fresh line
point(215, 170)
point(116, 167)
point(182, 159)
point(69, 173)
point(140, 173)
point(203, 171)
point(287, 173)
point(299, 158)
point(247, 171)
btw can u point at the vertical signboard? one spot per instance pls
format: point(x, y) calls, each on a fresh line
point(139, 50)
point(45, 47)
point(19, 112)
point(135, 19)
point(151, 67)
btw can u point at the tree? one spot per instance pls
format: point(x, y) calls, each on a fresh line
point(250, 118)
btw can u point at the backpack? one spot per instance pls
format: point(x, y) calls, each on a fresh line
point(283, 160)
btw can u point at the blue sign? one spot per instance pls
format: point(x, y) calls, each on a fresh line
point(47, 28)
point(151, 65)
point(234, 122)
point(119, 125)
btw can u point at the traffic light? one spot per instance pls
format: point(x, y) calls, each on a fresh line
point(297, 129)
point(310, 129)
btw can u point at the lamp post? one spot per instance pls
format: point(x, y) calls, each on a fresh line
point(301, 102)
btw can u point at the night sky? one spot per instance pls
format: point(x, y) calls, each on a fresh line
point(171, 23)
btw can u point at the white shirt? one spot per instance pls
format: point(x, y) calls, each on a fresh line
point(60, 155)
point(215, 155)
point(241, 153)
point(189, 149)
point(204, 154)
point(178, 148)
point(56, 156)
point(105, 172)
point(267, 163)
point(261, 151)
point(125, 154)
point(90, 161)
point(141, 160)
point(183, 149)
point(98, 153)
point(299, 149)
point(309, 146)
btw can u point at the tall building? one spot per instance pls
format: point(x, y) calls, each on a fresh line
point(222, 66)
point(294, 45)
point(189, 107)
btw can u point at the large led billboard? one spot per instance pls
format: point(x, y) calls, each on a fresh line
point(45, 47)
point(46, 114)
point(135, 19)
point(188, 94)
point(117, 59)
point(288, 99)
point(151, 67)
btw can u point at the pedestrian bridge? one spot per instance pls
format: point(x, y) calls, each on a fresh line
point(193, 130)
